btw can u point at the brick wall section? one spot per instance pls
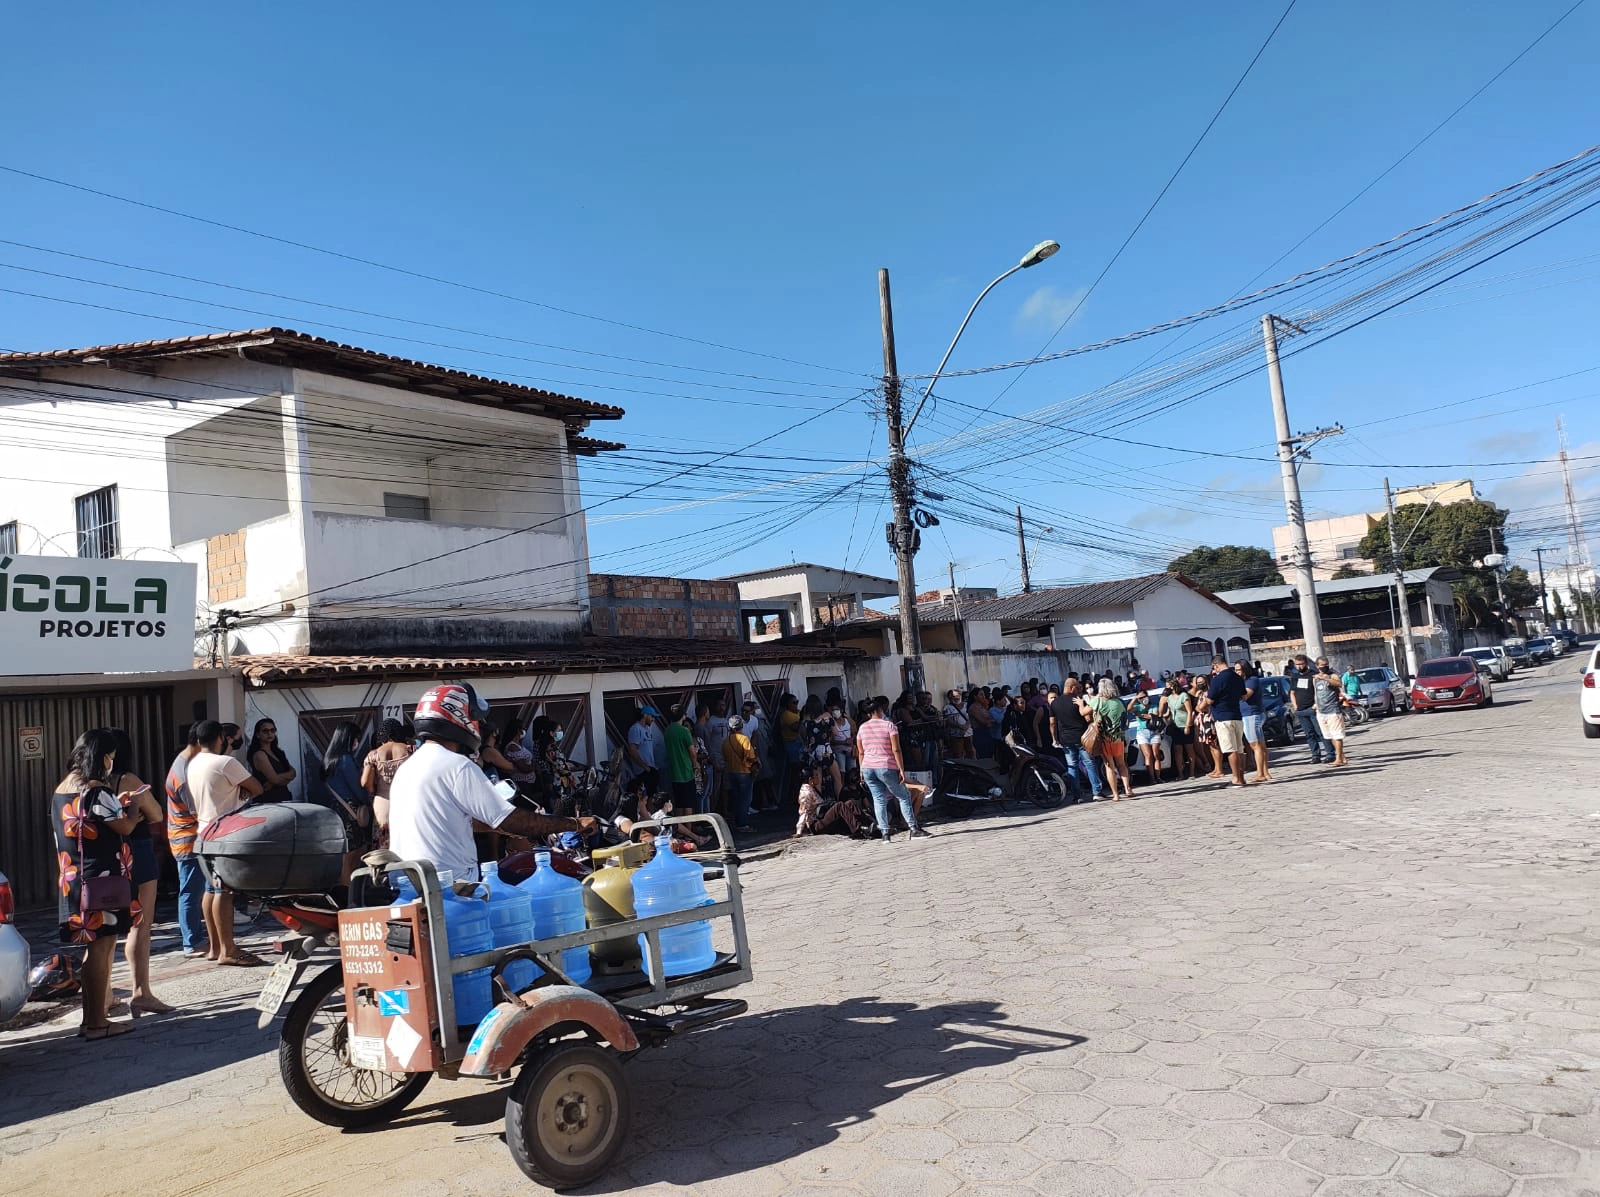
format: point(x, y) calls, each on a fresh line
point(632, 605)
point(225, 567)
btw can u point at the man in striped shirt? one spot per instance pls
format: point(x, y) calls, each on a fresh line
point(182, 826)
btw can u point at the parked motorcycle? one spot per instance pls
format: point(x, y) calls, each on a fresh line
point(1031, 777)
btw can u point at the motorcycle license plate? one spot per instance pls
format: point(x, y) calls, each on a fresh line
point(279, 982)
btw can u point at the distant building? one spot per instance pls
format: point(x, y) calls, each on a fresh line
point(802, 597)
point(1336, 542)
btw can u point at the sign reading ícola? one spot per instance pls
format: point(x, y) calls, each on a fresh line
point(84, 615)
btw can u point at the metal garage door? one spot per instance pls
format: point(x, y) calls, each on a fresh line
point(27, 851)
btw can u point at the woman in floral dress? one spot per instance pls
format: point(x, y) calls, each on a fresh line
point(90, 823)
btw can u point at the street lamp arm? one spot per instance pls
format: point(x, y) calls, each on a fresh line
point(928, 392)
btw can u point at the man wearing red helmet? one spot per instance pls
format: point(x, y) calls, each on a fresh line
point(439, 791)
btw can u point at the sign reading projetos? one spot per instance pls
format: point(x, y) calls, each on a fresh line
point(86, 615)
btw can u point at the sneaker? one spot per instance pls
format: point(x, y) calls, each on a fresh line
point(886, 837)
point(918, 833)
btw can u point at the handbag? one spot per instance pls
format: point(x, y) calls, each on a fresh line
point(110, 892)
point(1090, 740)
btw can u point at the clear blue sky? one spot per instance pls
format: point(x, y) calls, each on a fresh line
point(737, 173)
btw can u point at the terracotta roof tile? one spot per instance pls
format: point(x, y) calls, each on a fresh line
point(591, 656)
point(332, 357)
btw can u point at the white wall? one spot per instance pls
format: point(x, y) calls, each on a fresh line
point(1096, 627)
point(284, 705)
point(1174, 614)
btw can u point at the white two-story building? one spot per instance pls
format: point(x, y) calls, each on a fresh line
point(363, 525)
point(336, 499)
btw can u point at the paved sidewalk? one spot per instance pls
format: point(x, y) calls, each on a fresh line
point(1360, 983)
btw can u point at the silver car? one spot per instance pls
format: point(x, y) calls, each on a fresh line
point(1382, 691)
point(1495, 659)
point(15, 959)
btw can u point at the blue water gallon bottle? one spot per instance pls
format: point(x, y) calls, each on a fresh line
point(511, 920)
point(466, 924)
point(670, 883)
point(558, 910)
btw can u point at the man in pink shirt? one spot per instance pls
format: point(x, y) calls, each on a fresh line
point(883, 770)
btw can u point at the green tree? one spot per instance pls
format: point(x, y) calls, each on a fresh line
point(1349, 571)
point(1458, 535)
point(1557, 607)
point(1228, 567)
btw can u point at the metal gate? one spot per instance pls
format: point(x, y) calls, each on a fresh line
point(27, 847)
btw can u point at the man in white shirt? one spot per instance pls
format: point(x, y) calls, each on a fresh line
point(439, 792)
point(219, 785)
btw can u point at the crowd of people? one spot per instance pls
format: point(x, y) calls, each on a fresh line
point(1180, 725)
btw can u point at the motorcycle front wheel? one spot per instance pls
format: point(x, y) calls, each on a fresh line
point(1045, 791)
point(314, 1061)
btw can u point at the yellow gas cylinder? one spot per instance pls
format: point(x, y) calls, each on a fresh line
point(607, 899)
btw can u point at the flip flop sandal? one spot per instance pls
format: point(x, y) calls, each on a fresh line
point(243, 959)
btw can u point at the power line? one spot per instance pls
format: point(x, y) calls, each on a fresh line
point(1160, 195)
point(406, 271)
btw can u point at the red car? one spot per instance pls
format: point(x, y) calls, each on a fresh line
point(1450, 682)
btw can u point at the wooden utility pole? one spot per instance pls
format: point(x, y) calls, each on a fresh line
point(902, 533)
point(1022, 552)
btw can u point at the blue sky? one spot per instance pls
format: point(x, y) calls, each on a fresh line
point(736, 174)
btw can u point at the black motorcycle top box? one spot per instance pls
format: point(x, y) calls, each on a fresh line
point(275, 848)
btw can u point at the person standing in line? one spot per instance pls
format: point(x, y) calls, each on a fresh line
point(182, 827)
point(220, 785)
point(712, 746)
point(1068, 722)
point(1222, 700)
point(89, 820)
point(739, 763)
point(269, 764)
point(980, 711)
point(842, 740)
point(680, 761)
point(377, 774)
point(1107, 708)
point(1331, 701)
point(1303, 699)
point(1253, 710)
point(645, 752)
point(883, 771)
point(1351, 684)
point(958, 732)
point(1177, 710)
point(146, 874)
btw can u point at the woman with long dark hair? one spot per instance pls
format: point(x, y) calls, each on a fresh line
point(90, 821)
point(342, 777)
point(146, 872)
point(269, 764)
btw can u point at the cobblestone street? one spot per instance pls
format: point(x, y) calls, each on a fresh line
point(1373, 982)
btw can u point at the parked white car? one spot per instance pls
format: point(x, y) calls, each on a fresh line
point(1499, 664)
point(1589, 696)
point(15, 959)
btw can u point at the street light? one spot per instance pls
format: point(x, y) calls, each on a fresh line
point(1033, 257)
point(900, 490)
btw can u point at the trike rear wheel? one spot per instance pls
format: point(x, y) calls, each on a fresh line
point(567, 1114)
point(314, 1061)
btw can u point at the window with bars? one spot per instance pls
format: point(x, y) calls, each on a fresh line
point(8, 537)
point(97, 523)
